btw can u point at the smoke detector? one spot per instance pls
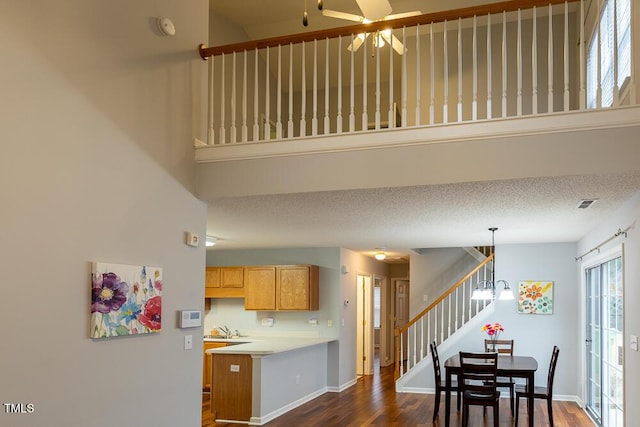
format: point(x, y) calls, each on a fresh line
point(166, 27)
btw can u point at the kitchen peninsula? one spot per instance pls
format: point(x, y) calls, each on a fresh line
point(255, 380)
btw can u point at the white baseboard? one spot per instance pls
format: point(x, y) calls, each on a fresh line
point(258, 421)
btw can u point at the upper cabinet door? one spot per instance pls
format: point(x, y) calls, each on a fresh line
point(231, 277)
point(298, 287)
point(212, 277)
point(260, 288)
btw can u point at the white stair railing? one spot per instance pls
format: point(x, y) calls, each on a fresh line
point(440, 319)
point(444, 53)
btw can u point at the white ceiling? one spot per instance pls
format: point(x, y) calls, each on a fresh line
point(400, 219)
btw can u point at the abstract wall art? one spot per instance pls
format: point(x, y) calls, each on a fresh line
point(125, 300)
point(535, 297)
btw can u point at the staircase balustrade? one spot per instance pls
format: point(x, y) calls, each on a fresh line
point(509, 59)
point(440, 319)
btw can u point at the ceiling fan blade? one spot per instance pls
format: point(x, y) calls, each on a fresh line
point(342, 15)
point(358, 40)
point(402, 15)
point(395, 43)
point(374, 10)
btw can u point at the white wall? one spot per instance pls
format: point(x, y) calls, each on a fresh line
point(534, 335)
point(435, 271)
point(628, 215)
point(97, 115)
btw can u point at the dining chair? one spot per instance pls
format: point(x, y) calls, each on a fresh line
point(477, 381)
point(440, 383)
point(503, 347)
point(540, 392)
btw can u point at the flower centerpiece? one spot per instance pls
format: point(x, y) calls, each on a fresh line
point(493, 330)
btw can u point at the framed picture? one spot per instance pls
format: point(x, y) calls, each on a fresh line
point(125, 300)
point(535, 297)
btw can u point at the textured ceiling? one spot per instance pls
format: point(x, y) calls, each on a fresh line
point(399, 219)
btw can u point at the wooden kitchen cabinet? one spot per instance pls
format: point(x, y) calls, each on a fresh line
point(206, 364)
point(282, 287)
point(260, 288)
point(224, 282)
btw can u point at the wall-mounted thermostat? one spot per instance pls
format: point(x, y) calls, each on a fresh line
point(190, 318)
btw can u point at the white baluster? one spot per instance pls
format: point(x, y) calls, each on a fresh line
point(267, 101)
point(222, 135)
point(422, 348)
point(290, 122)
point(504, 64)
point(404, 80)
point(327, 123)
point(352, 111)
point(449, 320)
point(474, 99)
point(256, 114)
point(339, 117)
point(232, 130)
point(489, 65)
point(415, 340)
point(583, 90)
point(550, 63)
point(377, 114)
point(244, 130)
point(534, 64)
point(303, 104)
point(566, 55)
point(418, 76)
point(211, 132)
point(442, 325)
point(457, 309)
point(445, 60)
point(279, 97)
point(432, 73)
point(459, 70)
point(519, 64)
point(314, 118)
point(391, 113)
point(365, 86)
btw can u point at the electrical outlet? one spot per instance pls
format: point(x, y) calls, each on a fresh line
point(330, 323)
point(234, 368)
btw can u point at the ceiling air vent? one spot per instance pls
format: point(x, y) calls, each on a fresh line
point(585, 203)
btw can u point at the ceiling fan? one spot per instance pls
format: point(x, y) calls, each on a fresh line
point(372, 11)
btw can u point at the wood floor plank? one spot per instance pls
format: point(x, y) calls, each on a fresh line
point(374, 402)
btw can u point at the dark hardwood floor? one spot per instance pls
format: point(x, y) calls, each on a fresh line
point(374, 402)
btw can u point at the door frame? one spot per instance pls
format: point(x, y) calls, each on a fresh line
point(364, 324)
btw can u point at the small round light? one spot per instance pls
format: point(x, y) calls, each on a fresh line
point(380, 255)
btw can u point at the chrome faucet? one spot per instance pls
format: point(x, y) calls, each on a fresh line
point(226, 331)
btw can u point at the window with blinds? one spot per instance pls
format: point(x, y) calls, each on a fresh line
point(613, 37)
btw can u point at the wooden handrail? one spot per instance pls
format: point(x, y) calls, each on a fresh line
point(444, 295)
point(399, 331)
point(411, 21)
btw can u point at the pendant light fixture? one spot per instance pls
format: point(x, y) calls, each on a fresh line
point(486, 289)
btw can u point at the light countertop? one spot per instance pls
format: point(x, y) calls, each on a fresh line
point(264, 345)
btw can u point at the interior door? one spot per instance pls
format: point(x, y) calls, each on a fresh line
point(605, 342)
point(364, 333)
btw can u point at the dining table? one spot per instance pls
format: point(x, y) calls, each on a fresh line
point(508, 366)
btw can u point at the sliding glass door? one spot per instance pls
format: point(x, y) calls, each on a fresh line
point(605, 343)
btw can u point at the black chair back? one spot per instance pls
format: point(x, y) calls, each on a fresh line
point(436, 364)
point(479, 372)
point(499, 346)
point(552, 369)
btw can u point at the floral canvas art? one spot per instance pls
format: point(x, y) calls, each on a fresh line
point(125, 300)
point(535, 297)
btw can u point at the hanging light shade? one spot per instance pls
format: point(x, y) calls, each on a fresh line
point(486, 289)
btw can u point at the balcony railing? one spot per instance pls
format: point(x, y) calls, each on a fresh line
point(510, 59)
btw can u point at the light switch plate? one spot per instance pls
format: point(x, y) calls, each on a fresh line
point(188, 342)
point(634, 342)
